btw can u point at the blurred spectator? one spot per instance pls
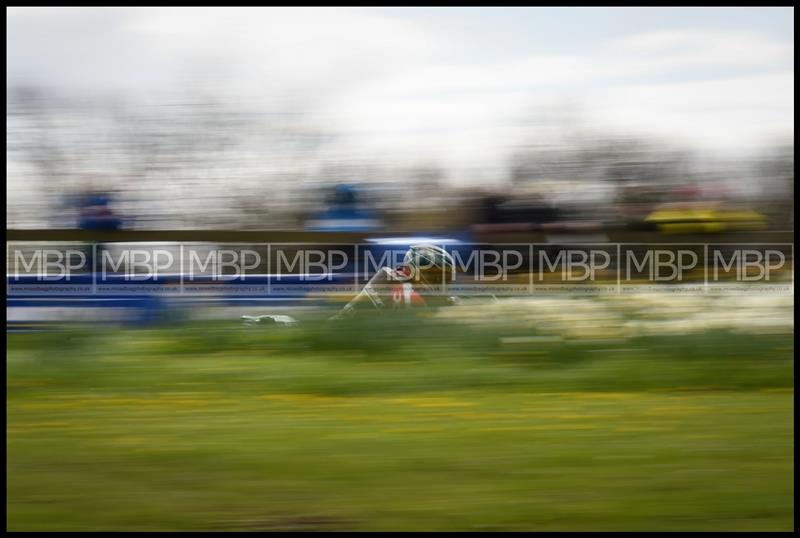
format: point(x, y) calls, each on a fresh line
point(500, 211)
point(345, 212)
point(95, 211)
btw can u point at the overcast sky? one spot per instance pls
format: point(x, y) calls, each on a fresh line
point(455, 83)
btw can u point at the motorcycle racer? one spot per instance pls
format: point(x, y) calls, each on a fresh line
point(421, 280)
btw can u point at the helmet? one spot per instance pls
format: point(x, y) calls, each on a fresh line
point(425, 259)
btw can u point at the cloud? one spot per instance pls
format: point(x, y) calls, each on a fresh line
point(734, 112)
point(698, 45)
point(251, 53)
point(397, 87)
point(718, 89)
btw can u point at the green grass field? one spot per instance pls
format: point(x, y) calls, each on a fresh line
point(413, 427)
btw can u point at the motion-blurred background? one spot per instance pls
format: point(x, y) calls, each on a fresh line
point(431, 118)
point(635, 407)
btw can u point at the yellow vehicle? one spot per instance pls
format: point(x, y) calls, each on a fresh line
point(704, 217)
